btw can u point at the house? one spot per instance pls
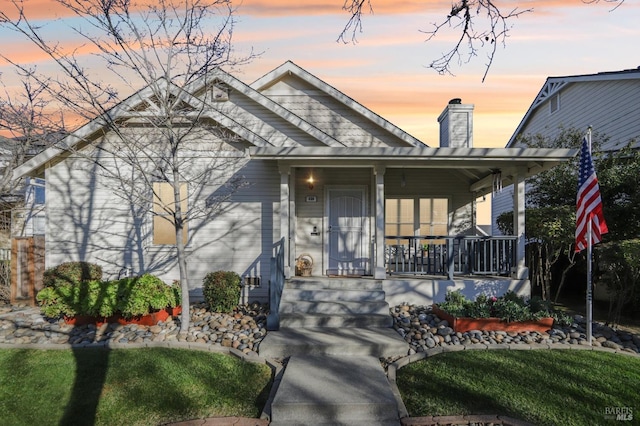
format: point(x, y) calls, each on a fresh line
point(21, 221)
point(330, 186)
point(606, 101)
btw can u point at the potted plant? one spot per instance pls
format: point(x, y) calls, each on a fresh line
point(507, 313)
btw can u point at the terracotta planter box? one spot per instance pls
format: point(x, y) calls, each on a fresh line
point(492, 324)
point(151, 319)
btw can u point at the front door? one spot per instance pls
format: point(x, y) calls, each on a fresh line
point(348, 252)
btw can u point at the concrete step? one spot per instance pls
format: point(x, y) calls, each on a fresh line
point(332, 295)
point(299, 319)
point(333, 284)
point(377, 342)
point(330, 390)
point(336, 308)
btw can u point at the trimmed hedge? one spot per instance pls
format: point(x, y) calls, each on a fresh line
point(71, 273)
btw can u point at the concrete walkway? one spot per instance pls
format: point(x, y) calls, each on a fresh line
point(320, 389)
point(333, 376)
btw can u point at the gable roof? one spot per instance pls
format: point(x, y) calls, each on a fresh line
point(553, 85)
point(274, 107)
point(131, 107)
point(289, 68)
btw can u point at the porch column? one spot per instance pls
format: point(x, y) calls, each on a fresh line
point(521, 271)
point(379, 271)
point(285, 219)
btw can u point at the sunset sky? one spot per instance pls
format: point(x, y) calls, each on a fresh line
point(387, 70)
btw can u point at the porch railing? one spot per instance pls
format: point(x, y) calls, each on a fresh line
point(276, 286)
point(450, 255)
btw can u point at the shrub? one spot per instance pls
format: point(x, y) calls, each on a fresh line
point(509, 307)
point(176, 290)
point(71, 273)
point(128, 297)
point(221, 290)
point(142, 295)
point(97, 298)
point(57, 301)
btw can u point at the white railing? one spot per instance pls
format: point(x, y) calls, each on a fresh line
point(276, 286)
point(450, 255)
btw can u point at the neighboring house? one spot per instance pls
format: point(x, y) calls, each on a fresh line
point(20, 209)
point(609, 102)
point(328, 181)
point(22, 225)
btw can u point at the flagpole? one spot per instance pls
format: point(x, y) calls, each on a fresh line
point(589, 266)
point(589, 288)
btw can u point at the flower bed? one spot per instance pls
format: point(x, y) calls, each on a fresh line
point(76, 292)
point(463, 324)
point(509, 312)
point(152, 318)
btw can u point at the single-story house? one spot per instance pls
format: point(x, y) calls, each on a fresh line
point(330, 189)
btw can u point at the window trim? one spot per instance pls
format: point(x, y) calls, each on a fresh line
point(554, 101)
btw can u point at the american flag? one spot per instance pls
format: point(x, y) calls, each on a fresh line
point(589, 202)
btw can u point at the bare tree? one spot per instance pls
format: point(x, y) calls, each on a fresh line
point(29, 124)
point(477, 25)
point(153, 142)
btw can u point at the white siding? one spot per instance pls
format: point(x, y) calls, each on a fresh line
point(89, 220)
point(610, 107)
point(241, 237)
point(270, 126)
point(332, 117)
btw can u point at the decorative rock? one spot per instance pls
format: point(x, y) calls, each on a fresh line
point(612, 345)
point(438, 333)
point(245, 329)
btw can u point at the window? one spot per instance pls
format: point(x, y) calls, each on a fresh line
point(554, 103)
point(416, 216)
point(434, 218)
point(399, 218)
point(35, 192)
point(163, 208)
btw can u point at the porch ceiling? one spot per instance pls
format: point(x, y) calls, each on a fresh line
point(477, 164)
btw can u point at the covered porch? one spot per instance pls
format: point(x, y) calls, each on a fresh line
point(336, 205)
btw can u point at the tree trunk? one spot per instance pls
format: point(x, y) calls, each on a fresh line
point(563, 278)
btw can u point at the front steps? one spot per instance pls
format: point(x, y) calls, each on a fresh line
point(333, 332)
point(333, 316)
point(334, 303)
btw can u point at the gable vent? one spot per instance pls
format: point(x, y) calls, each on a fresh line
point(219, 93)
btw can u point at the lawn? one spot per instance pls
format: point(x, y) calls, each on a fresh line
point(544, 387)
point(132, 387)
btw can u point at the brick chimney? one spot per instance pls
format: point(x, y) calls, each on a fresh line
point(456, 125)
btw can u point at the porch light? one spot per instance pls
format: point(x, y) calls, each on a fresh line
point(310, 182)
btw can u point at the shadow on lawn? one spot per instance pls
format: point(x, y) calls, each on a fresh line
point(91, 371)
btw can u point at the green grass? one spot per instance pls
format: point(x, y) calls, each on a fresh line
point(544, 387)
point(132, 387)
